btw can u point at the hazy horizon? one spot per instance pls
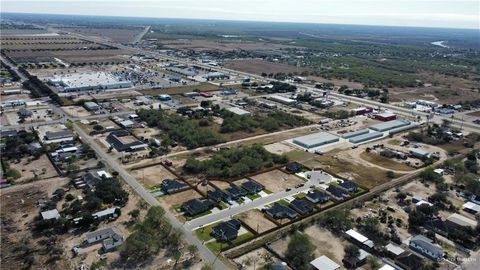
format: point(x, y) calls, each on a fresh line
point(461, 14)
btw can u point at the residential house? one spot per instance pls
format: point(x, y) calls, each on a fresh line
point(218, 196)
point(122, 141)
point(352, 262)
point(426, 247)
point(349, 186)
point(63, 135)
point(236, 192)
point(226, 231)
point(410, 261)
point(458, 221)
point(294, 167)
point(316, 196)
point(110, 238)
point(109, 213)
point(252, 187)
point(170, 186)
point(280, 211)
point(195, 206)
point(302, 206)
point(337, 193)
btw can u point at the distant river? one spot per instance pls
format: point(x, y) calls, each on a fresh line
point(440, 43)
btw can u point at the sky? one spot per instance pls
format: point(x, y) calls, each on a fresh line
point(425, 13)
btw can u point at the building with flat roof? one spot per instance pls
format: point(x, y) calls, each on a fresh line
point(91, 106)
point(324, 263)
point(355, 133)
point(123, 141)
point(88, 81)
point(239, 111)
point(386, 126)
point(366, 137)
point(459, 221)
point(281, 99)
point(386, 116)
point(50, 214)
point(315, 140)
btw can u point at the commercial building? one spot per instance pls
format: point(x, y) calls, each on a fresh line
point(386, 116)
point(386, 126)
point(184, 72)
point(315, 140)
point(355, 133)
point(91, 106)
point(239, 111)
point(215, 76)
point(123, 141)
point(89, 81)
point(362, 110)
point(366, 137)
point(281, 99)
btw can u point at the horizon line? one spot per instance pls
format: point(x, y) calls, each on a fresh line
point(239, 20)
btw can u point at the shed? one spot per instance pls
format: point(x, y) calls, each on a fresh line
point(50, 214)
point(324, 263)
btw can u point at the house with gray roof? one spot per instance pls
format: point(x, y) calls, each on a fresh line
point(426, 247)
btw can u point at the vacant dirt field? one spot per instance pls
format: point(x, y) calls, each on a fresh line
point(384, 162)
point(256, 220)
point(152, 176)
point(349, 168)
point(276, 180)
point(225, 46)
point(174, 200)
point(258, 66)
point(30, 167)
point(76, 111)
point(146, 132)
point(221, 184)
point(324, 241)
point(19, 208)
point(279, 148)
point(202, 87)
point(256, 259)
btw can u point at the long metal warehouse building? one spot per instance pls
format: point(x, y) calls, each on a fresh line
point(386, 126)
point(315, 140)
point(366, 137)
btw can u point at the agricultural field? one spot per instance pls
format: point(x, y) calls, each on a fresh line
point(121, 35)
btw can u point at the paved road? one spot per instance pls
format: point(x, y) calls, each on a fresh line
point(14, 68)
point(149, 198)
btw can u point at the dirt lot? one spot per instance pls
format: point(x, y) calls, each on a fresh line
point(203, 87)
point(19, 208)
point(258, 66)
point(221, 184)
point(367, 176)
point(152, 176)
point(277, 180)
point(30, 167)
point(279, 148)
point(449, 90)
point(256, 219)
point(386, 163)
point(76, 111)
point(325, 242)
point(175, 200)
point(146, 132)
point(260, 256)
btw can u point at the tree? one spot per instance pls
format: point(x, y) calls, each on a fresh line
point(300, 251)
point(135, 213)
point(336, 220)
point(352, 251)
